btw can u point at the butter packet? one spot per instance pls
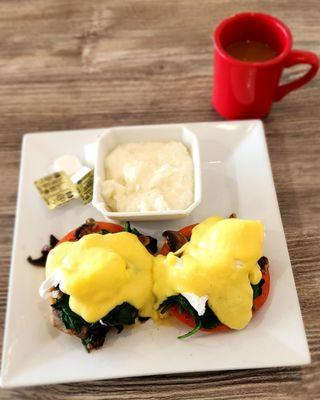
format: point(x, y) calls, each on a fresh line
point(85, 187)
point(56, 189)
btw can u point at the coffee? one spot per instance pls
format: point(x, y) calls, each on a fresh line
point(250, 50)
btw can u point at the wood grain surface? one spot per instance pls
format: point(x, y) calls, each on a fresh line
point(68, 64)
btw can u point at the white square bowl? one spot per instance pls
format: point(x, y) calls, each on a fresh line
point(152, 133)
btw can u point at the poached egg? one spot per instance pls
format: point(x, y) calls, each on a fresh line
point(100, 272)
point(220, 262)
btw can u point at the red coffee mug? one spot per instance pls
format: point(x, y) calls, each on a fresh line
point(244, 89)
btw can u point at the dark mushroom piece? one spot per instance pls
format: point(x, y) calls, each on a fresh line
point(150, 243)
point(263, 263)
point(85, 229)
point(175, 240)
point(41, 261)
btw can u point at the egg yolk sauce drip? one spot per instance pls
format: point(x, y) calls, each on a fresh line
point(220, 261)
point(100, 272)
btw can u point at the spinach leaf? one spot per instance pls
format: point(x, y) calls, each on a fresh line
point(103, 232)
point(150, 243)
point(124, 314)
point(257, 289)
point(127, 228)
point(93, 335)
point(169, 302)
point(143, 319)
point(70, 319)
point(184, 307)
point(193, 331)
point(182, 302)
point(209, 319)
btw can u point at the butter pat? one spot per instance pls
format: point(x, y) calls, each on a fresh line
point(80, 174)
point(68, 163)
point(150, 176)
point(90, 154)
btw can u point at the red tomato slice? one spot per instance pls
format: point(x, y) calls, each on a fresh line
point(187, 319)
point(112, 228)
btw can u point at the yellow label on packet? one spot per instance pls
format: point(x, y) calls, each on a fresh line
point(56, 189)
point(85, 187)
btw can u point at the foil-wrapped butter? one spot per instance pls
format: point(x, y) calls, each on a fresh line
point(56, 189)
point(85, 187)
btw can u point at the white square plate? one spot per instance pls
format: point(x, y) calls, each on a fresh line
point(236, 177)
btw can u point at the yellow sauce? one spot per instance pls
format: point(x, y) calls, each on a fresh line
point(220, 262)
point(100, 272)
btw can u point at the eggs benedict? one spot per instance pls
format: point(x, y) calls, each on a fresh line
point(215, 276)
point(211, 276)
point(99, 276)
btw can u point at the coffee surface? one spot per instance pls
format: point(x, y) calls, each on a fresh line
point(250, 50)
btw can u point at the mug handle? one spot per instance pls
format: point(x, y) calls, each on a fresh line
point(298, 57)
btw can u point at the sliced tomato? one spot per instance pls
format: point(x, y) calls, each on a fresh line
point(188, 319)
point(112, 228)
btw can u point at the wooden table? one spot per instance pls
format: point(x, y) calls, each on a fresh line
point(68, 64)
